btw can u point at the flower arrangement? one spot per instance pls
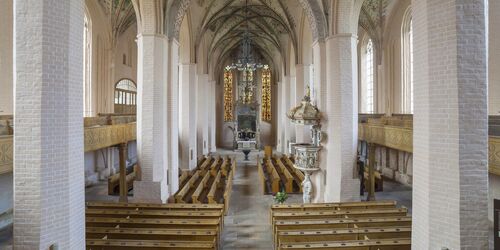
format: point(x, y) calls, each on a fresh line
point(280, 197)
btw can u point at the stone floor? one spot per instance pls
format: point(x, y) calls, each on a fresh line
point(247, 222)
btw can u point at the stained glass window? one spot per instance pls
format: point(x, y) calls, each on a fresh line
point(266, 94)
point(369, 76)
point(228, 95)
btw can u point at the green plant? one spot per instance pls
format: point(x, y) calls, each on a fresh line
point(280, 197)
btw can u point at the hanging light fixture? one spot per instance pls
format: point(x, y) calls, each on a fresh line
point(245, 59)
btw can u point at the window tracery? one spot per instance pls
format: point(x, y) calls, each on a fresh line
point(228, 95)
point(125, 97)
point(266, 95)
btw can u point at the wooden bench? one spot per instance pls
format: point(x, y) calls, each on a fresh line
point(182, 193)
point(333, 206)
point(213, 189)
point(262, 177)
point(147, 206)
point(163, 214)
point(273, 176)
point(120, 244)
point(311, 235)
point(151, 234)
point(114, 181)
point(377, 244)
point(298, 175)
point(227, 191)
point(201, 186)
point(286, 177)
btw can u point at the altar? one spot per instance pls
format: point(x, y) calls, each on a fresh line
point(247, 126)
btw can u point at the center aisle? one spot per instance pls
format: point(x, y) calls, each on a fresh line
point(247, 224)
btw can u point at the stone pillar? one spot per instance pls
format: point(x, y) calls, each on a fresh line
point(285, 107)
point(173, 116)
point(152, 144)
point(341, 118)
point(318, 96)
point(450, 153)
point(302, 133)
point(6, 53)
point(279, 115)
point(187, 116)
point(212, 117)
point(202, 97)
point(49, 195)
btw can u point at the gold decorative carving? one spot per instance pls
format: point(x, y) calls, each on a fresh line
point(228, 95)
point(105, 136)
point(399, 138)
point(6, 154)
point(494, 154)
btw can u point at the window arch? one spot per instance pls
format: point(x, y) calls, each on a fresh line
point(125, 97)
point(407, 65)
point(367, 78)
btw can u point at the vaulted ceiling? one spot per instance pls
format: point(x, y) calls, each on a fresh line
point(121, 14)
point(267, 22)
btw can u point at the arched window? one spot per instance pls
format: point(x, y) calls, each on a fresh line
point(125, 97)
point(407, 65)
point(266, 94)
point(228, 95)
point(87, 66)
point(368, 81)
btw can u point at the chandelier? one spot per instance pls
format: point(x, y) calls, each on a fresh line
point(245, 60)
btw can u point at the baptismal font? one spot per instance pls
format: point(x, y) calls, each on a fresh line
point(306, 154)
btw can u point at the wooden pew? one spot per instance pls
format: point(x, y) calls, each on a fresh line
point(213, 224)
point(214, 168)
point(298, 175)
point(312, 235)
point(287, 178)
point(227, 191)
point(213, 189)
point(147, 206)
point(262, 177)
point(333, 206)
point(385, 212)
point(377, 244)
point(179, 197)
point(163, 214)
point(114, 181)
point(120, 244)
point(151, 234)
point(201, 186)
point(185, 175)
point(273, 175)
point(304, 224)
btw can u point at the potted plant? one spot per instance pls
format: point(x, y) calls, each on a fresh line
point(280, 197)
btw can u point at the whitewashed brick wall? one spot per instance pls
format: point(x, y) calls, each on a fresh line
point(341, 102)
point(450, 126)
point(48, 177)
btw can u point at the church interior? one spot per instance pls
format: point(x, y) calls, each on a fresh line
point(249, 124)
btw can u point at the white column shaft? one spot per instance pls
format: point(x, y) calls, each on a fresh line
point(187, 115)
point(341, 119)
point(49, 190)
point(152, 143)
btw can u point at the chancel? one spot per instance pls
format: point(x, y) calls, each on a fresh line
point(249, 124)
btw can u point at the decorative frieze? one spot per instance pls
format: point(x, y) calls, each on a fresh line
point(6, 154)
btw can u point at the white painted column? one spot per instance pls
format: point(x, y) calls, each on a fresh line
point(302, 133)
point(318, 94)
point(212, 117)
point(279, 115)
point(152, 143)
point(49, 190)
point(494, 58)
point(285, 107)
point(450, 152)
point(291, 103)
point(6, 57)
point(173, 116)
point(342, 118)
point(187, 115)
point(202, 93)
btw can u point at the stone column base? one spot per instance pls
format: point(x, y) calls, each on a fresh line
point(150, 191)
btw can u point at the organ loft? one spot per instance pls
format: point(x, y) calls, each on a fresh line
point(249, 124)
